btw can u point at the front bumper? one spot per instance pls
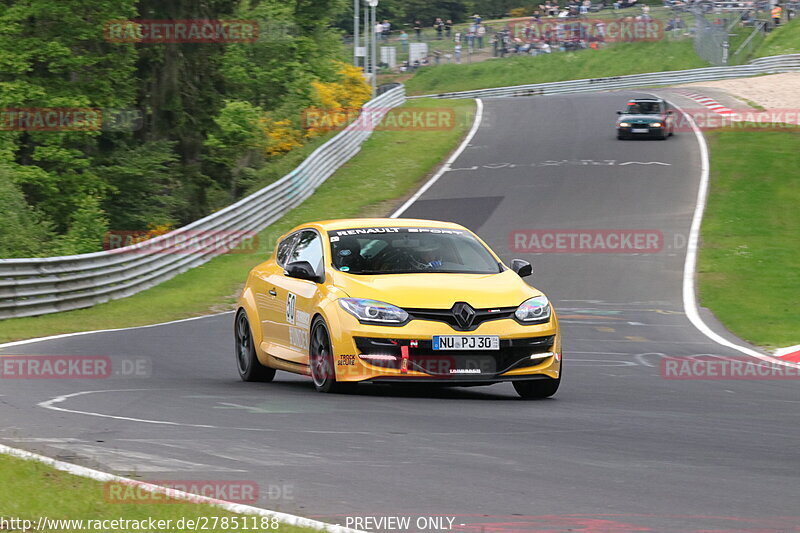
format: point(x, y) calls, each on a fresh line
point(376, 353)
point(651, 132)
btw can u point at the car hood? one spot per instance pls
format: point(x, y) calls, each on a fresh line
point(640, 118)
point(439, 291)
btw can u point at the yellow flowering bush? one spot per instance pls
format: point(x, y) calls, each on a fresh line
point(281, 136)
point(337, 102)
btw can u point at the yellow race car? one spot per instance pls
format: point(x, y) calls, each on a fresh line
point(395, 300)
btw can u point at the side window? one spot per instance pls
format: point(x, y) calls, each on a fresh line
point(308, 248)
point(284, 247)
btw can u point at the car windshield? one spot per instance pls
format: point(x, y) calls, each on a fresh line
point(643, 108)
point(410, 250)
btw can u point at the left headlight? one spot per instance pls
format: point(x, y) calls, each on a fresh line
point(373, 311)
point(537, 309)
point(624, 124)
point(655, 124)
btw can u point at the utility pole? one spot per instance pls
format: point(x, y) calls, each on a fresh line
point(373, 4)
point(356, 24)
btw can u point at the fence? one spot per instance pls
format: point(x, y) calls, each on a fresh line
point(37, 286)
point(764, 65)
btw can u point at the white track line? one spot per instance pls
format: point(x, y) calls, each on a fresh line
point(77, 333)
point(689, 295)
point(444, 168)
point(97, 475)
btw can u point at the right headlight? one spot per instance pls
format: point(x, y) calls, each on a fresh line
point(624, 124)
point(372, 311)
point(537, 309)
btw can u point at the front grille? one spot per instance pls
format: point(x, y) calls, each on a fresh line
point(447, 316)
point(513, 353)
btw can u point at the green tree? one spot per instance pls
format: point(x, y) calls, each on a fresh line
point(23, 231)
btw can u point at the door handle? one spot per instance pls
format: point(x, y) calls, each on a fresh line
point(273, 292)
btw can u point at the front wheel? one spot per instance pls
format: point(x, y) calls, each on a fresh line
point(320, 359)
point(250, 368)
point(537, 389)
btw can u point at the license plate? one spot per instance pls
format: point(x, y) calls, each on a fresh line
point(640, 130)
point(466, 342)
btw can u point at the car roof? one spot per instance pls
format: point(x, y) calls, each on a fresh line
point(645, 100)
point(349, 223)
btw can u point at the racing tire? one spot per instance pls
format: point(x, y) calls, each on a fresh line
point(320, 360)
point(537, 389)
point(247, 363)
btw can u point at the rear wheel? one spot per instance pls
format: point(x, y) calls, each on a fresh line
point(537, 389)
point(320, 359)
point(250, 368)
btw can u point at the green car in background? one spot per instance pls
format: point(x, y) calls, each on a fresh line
point(647, 118)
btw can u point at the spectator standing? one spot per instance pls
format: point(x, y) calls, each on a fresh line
point(418, 29)
point(479, 34)
point(378, 31)
point(448, 28)
point(457, 52)
point(777, 11)
point(387, 28)
point(404, 41)
point(439, 25)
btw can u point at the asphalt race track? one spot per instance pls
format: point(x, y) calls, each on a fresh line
point(619, 448)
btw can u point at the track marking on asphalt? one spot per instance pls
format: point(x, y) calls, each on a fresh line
point(636, 338)
point(50, 404)
point(602, 362)
point(258, 454)
point(689, 292)
point(78, 333)
point(444, 168)
point(130, 461)
point(605, 329)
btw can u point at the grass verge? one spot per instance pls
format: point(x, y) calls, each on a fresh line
point(749, 264)
point(616, 60)
point(390, 164)
point(783, 40)
point(31, 490)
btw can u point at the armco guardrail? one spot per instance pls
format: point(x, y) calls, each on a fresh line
point(764, 65)
point(37, 286)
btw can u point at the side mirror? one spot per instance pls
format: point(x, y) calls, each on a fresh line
point(521, 267)
point(302, 270)
point(619, 112)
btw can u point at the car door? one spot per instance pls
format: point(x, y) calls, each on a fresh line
point(271, 308)
point(298, 299)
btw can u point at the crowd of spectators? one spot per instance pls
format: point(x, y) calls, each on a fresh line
point(556, 25)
